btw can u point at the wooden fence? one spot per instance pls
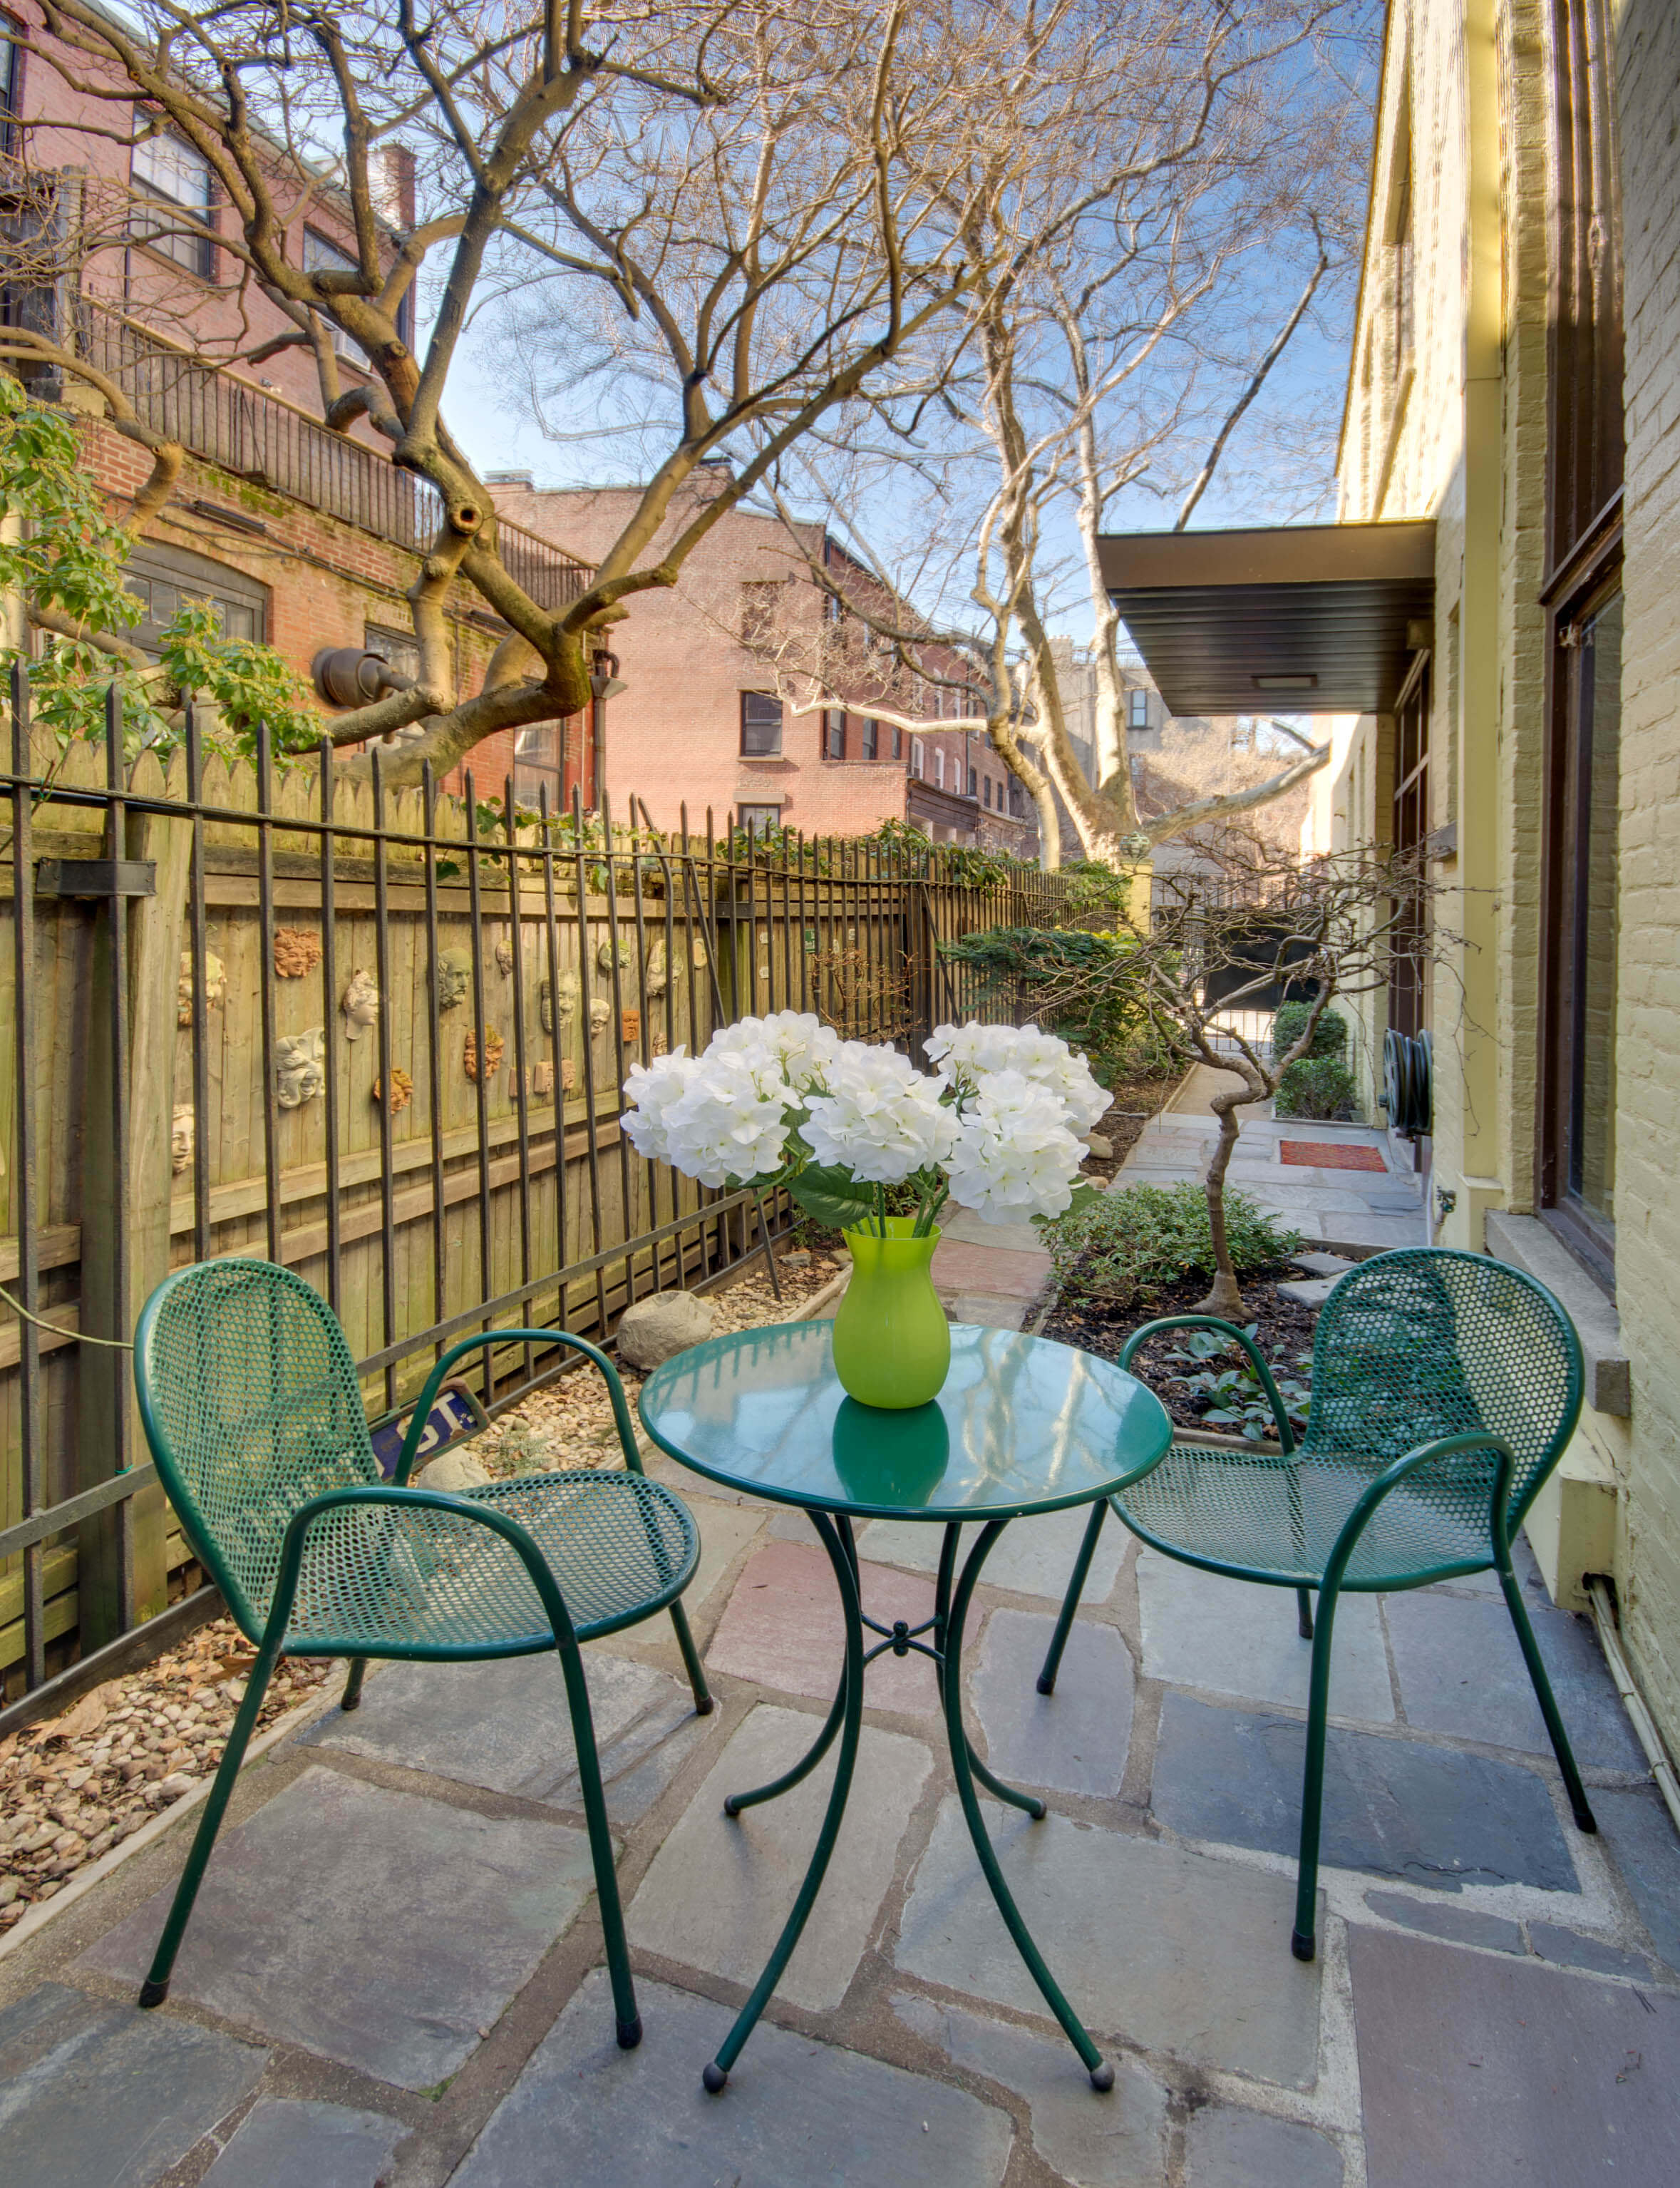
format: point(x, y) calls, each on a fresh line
point(260, 1009)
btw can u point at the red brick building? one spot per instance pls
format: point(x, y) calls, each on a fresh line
point(726, 672)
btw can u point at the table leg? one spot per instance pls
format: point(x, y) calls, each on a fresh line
point(1101, 2073)
point(835, 1535)
point(1029, 1801)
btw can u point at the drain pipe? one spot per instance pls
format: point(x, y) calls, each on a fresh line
point(1603, 1617)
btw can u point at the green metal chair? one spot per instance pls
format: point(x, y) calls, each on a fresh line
point(252, 1406)
point(1444, 1387)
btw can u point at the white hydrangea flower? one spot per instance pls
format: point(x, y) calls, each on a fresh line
point(651, 1088)
point(730, 1120)
point(881, 1118)
point(1015, 1156)
point(967, 1053)
point(804, 1047)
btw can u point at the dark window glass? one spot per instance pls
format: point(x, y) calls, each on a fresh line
point(834, 733)
point(872, 739)
point(973, 782)
point(165, 579)
point(1407, 1001)
point(760, 725)
point(177, 175)
point(898, 742)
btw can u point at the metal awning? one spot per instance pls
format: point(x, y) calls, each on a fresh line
point(1302, 619)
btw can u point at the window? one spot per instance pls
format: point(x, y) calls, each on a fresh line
point(1138, 710)
point(1018, 801)
point(177, 174)
point(399, 648)
point(538, 751)
point(1404, 268)
point(164, 579)
point(973, 782)
point(11, 71)
point(1577, 1170)
point(939, 770)
point(989, 793)
point(757, 819)
point(917, 764)
point(321, 256)
point(834, 733)
point(758, 610)
point(899, 745)
point(871, 738)
point(1412, 823)
point(760, 725)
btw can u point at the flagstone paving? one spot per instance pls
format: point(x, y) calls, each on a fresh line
point(395, 1973)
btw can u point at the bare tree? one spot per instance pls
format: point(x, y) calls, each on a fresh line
point(750, 213)
point(1215, 944)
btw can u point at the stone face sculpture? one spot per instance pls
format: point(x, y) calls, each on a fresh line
point(360, 1004)
point(568, 1074)
point(600, 1012)
point(300, 1068)
point(215, 986)
point(493, 1046)
point(401, 1090)
point(603, 953)
point(455, 978)
point(656, 978)
point(296, 952)
point(182, 1135)
point(569, 993)
point(505, 956)
point(698, 956)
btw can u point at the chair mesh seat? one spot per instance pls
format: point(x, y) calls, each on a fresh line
point(1411, 1347)
point(418, 1579)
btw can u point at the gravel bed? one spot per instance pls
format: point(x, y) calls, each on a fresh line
point(77, 1785)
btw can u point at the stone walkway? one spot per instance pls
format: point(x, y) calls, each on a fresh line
point(1363, 1209)
point(394, 1974)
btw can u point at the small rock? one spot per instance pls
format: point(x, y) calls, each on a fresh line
point(10, 1889)
point(1096, 1145)
point(451, 1471)
point(1323, 1265)
point(177, 1784)
point(798, 1259)
point(653, 1329)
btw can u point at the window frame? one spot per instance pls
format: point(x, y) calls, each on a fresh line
point(768, 751)
point(180, 240)
point(196, 577)
point(918, 760)
point(750, 806)
point(340, 261)
point(1137, 707)
point(834, 733)
point(869, 738)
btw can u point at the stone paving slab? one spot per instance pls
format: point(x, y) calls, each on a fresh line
point(1459, 1925)
point(1116, 2140)
point(504, 1725)
point(960, 1267)
point(1232, 1637)
point(1478, 2072)
point(795, 2114)
point(721, 1887)
point(1176, 1951)
point(1394, 1808)
point(379, 1928)
point(1031, 1557)
point(784, 1627)
point(1639, 1833)
point(1569, 1948)
point(1462, 1672)
point(289, 2143)
point(97, 2094)
point(725, 1530)
point(1228, 2148)
point(972, 1230)
point(1072, 1742)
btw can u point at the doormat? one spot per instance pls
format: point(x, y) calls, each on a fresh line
point(1330, 1154)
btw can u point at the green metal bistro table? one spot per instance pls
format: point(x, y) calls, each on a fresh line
point(1022, 1426)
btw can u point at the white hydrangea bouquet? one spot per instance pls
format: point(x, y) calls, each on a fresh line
point(784, 1102)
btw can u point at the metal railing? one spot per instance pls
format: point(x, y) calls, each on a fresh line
point(245, 430)
point(184, 946)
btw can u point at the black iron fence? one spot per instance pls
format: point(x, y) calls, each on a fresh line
point(377, 1035)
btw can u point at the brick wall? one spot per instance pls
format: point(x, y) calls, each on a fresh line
point(1648, 1048)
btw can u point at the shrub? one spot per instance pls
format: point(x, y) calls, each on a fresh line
point(1126, 1248)
point(1319, 1086)
point(1329, 1036)
point(1042, 969)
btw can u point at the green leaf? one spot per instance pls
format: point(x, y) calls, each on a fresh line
point(832, 1196)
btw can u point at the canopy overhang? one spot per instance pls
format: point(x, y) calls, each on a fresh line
point(1297, 619)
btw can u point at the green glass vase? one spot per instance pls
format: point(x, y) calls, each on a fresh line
point(891, 1341)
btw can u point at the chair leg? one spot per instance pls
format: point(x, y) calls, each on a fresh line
point(155, 1988)
point(1303, 1944)
point(1304, 1613)
point(351, 1697)
point(600, 1849)
point(1070, 1602)
point(703, 1703)
point(1584, 1817)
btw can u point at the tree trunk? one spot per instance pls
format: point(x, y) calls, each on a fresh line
point(1224, 1297)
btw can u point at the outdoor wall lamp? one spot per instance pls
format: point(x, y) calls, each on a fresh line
point(345, 676)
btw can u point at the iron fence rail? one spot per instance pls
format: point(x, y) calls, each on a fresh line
point(609, 945)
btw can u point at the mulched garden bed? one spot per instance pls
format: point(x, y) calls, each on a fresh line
point(1284, 1332)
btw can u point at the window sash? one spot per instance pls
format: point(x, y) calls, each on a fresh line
point(761, 724)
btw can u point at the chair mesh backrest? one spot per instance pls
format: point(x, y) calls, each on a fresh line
point(1430, 1343)
point(252, 1408)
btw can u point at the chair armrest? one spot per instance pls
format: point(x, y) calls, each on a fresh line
point(433, 1500)
point(439, 1376)
point(1413, 1462)
point(1285, 1433)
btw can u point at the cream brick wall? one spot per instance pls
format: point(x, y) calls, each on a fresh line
point(1648, 1046)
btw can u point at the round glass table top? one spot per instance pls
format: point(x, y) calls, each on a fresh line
point(1021, 1425)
